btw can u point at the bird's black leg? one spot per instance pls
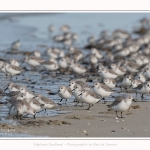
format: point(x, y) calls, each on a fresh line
point(142, 97)
point(45, 111)
point(104, 100)
point(90, 106)
point(76, 103)
point(121, 114)
point(61, 100)
point(17, 114)
point(117, 115)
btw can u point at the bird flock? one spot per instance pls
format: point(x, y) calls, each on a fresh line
point(116, 63)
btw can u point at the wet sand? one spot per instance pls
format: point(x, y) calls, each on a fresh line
point(96, 122)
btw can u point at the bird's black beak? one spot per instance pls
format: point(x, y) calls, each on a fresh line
point(6, 89)
point(80, 94)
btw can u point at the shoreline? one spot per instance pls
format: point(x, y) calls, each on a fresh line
point(96, 122)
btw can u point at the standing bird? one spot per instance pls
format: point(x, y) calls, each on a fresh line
point(64, 92)
point(15, 45)
point(121, 104)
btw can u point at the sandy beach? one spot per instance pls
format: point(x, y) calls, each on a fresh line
point(96, 122)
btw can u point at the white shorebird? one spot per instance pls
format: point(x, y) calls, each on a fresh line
point(64, 92)
point(65, 28)
point(121, 104)
point(14, 62)
point(83, 84)
point(37, 53)
point(77, 91)
point(135, 83)
point(97, 53)
point(141, 77)
point(63, 63)
point(125, 83)
point(77, 68)
point(111, 83)
point(51, 28)
point(50, 65)
point(53, 52)
point(102, 90)
point(12, 70)
point(106, 73)
point(45, 102)
point(15, 45)
point(131, 67)
point(12, 87)
point(118, 70)
point(143, 89)
point(89, 97)
point(27, 93)
point(20, 107)
point(33, 60)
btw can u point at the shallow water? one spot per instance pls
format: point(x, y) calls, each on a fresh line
point(32, 30)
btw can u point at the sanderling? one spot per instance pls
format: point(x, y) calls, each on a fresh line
point(21, 107)
point(102, 90)
point(51, 28)
point(50, 65)
point(141, 77)
point(77, 68)
point(12, 70)
point(131, 67)
point(15, 45)
point(63, 63)
point(93, 60)
point(46, 102)
point(77, 55)
point(83, 84)
point(125, 83)
point(33, 61)
point(91, 40)
point(121, 104)
point(14, 62)
point(36, 105)
point(64, 92)
point(36, 53)
point(147, 73)
point(77, 91)
point(122, 53)
point(111, 83)
point(65, 28)
point(53, 52)
point(143, 89)
point(106, 73)
point(89, 97)
point(12, 87)
point(27, 93)
point(96, 52)
point(118, 70)
point(135, 83)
